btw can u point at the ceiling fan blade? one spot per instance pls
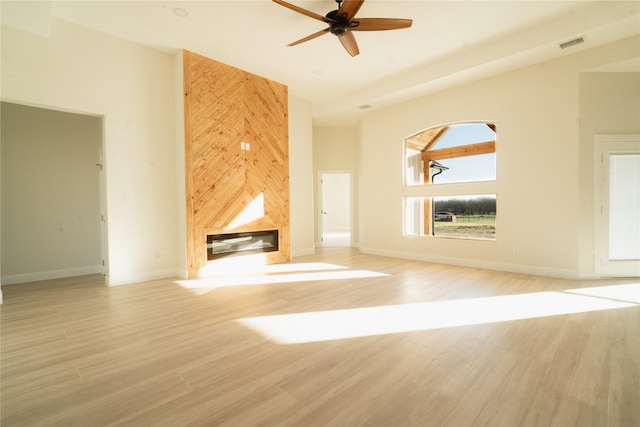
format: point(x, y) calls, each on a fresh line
point(303, 11)
point(379, 24)
point(350, 8)
point(312, 36)
point(349, 42)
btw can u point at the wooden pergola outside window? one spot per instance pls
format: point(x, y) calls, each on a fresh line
point(425, 142)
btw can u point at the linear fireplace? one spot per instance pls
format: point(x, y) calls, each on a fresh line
point(222, 245)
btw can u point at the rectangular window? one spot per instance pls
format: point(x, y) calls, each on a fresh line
point(466, 217)
point(472, 217)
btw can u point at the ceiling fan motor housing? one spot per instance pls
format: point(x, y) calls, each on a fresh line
point(339, 29)
point(339, 25)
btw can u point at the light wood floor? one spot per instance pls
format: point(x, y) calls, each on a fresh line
point(75, 352)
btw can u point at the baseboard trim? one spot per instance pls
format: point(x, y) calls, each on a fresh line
point(487, 265)
point(143, 277)
point(303, 252)
point(16, 279)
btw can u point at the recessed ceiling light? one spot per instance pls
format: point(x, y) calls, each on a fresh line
point(178, 11)
point(317, 71)
point(364, 107)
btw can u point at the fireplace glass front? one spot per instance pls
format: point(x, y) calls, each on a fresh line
point(222, 245)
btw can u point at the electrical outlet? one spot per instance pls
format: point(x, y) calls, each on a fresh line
point(516, 251)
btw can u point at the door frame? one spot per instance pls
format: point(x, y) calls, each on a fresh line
point(320, 207)
point(104, 247)
point(604, 146)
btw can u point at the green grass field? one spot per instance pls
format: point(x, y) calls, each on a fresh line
point(470, 227)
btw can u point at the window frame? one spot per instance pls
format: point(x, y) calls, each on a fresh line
point(453, 189)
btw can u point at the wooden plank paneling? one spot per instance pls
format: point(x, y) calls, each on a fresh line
point(236, 149)
point(424, 140)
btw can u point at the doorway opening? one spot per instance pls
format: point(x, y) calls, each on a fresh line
point(335, 201)
point(617, 196)
point(53, 206)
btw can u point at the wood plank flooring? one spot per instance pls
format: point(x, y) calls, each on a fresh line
point(170, 353)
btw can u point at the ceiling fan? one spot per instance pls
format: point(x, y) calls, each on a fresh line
point(343, 21)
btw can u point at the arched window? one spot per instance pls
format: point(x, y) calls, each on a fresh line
point(450, 173)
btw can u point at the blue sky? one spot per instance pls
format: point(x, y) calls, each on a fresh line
point(472, 168)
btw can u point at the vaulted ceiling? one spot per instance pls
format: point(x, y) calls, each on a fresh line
point(450, 42)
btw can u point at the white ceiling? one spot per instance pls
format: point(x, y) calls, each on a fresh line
point(450, 42)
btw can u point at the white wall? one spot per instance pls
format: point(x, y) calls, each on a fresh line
point(609, 104)
point(301, 176)
point(181, 185)
point(76, 69)
point(537, 111)
point(50, 194)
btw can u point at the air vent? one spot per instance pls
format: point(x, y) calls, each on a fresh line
point(570, 43)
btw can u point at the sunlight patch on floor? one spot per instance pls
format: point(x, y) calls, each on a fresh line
point(230, 265)
point(628, 292)
point(242, 267)
point(369, 321)
point(239, 272)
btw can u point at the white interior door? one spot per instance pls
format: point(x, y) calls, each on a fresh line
point(335, 209)
point(618, 206)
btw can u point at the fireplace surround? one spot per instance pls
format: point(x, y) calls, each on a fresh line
point(236, 150)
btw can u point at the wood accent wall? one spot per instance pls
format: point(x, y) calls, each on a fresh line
point(224, 110)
